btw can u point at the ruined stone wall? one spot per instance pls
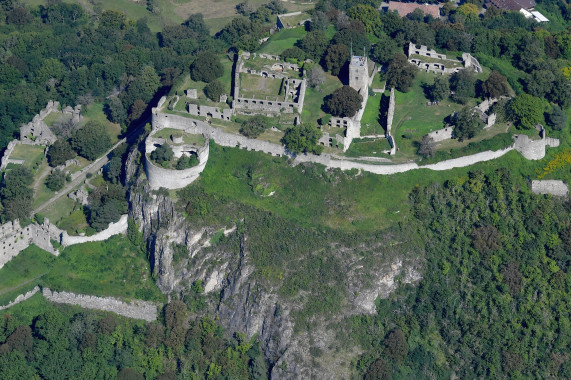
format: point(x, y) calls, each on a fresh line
point(391, 111)
point(176, 179)
point(208, 111)
point(120, 227)
point(21, 298)
point(6, 157)
point(471, 62)
point(14, 239)
point(557, 188)
point(135, 309)
point(533, 149)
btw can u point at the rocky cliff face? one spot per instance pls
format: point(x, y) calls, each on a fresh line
point(243, 302)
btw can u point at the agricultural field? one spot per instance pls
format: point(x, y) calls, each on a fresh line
point(282, 40)
point(216, 13)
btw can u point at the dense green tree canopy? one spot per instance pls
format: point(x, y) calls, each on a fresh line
point(400, 73)
point(344, 102)
point(440, 90)
point(91, 140)
point(463, 83)
point(255, 126)
point(206, 67)
point(213, 90)
point(59, 152)
point(314, 44)
point(496, 85)
point(467, 123)
point(336, 57)
point(303, 139)
point(526, 111)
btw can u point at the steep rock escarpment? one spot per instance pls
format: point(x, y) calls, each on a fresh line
point(244, 301)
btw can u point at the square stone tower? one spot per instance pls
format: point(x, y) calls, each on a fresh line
point(359, 74)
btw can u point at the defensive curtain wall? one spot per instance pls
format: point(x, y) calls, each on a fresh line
point(136, 309)
point(531, 149)
point(170, 178)
point(14, 238)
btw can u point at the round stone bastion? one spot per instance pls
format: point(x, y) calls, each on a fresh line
point(171, 178)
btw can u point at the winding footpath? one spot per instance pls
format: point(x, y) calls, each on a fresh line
point(79, 177)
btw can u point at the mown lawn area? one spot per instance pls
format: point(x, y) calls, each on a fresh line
point(368, 148)
point(282, 40)
point(95, 113)
point(32, 154)
point(60, 209)
point(110, 268)
point(414, 119)
point(370, 123)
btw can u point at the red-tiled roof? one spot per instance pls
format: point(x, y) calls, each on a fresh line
point(405, 8)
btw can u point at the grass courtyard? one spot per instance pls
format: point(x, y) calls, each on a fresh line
point(188, 138)
point(258, 87)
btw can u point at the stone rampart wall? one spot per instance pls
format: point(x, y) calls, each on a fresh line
point(15, 239)
point(261, 105)
point(6, 157)
point(135, 309)
point(119, 227)
point(558, 188)
point(171, 179)
point(391, 111)
point(533, 149)
point(21, 298)
point(208, 111)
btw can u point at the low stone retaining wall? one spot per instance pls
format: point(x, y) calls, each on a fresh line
point(135, 309)
point(21, 298)
point(553, 187)
point(113, 229)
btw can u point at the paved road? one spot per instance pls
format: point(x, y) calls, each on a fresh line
point(91, 168)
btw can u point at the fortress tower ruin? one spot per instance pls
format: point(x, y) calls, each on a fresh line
point(359, 74)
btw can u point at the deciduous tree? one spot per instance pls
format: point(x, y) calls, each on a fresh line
point(344, 102)
point(303, 139)
point(526, 111)
point(335, 57)
point(206, 67)
point(400, 73)
point(496, 85)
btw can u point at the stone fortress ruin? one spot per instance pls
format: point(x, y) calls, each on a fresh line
point(183, 142)
point(265, 85)
point(429, 60)
point(359, 80)
point(262, 84)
